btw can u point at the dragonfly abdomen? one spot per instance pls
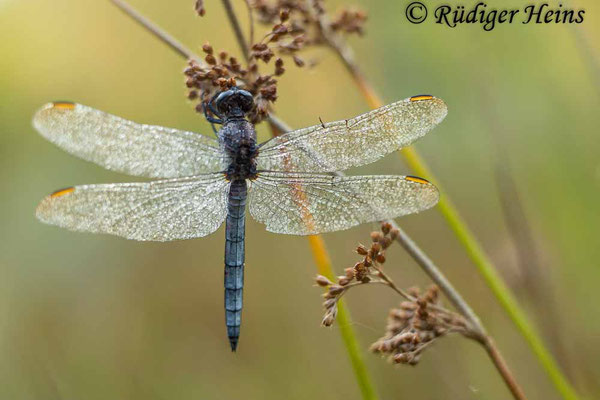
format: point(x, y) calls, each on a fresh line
point(234, 259)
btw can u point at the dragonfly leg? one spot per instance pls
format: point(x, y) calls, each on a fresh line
point(210, 119)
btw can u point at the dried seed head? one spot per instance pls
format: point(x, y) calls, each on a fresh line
point(349, 21)
point(385, 242)
point(408, 333)
point(385, 227)
point(329, 318)
point(343, 281)
point(329, 303)
point(362, 250)
point(294, 25)
point(335, 290)
point(279, 29)
point(298, 61)
point(376, 247)
point(210, 59)
point(199, 7)
point(323, 281)
point(376, 236)
point(279, 70)
point(380, 258)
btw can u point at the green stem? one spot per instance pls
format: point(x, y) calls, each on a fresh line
point(323, 263)
point(353, 349)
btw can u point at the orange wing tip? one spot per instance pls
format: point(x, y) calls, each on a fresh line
point(416, 179)
point(421, 97)
point(63, 105)
point(62, 192)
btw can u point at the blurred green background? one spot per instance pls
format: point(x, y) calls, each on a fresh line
point(96, 317)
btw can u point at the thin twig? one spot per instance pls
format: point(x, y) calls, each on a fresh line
point(251, 19)
point(462, 306)
point(154, 29)
point(237, 29)
point(438, 277)
point(346, 55)
point(388, 281)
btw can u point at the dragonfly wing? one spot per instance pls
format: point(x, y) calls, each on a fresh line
point(124, 146)
point(307, 204)
point(339, 145)
point(161, 210)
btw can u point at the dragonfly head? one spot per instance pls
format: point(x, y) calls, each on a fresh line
point(234, 102)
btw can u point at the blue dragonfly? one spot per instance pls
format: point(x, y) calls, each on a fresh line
point(203, 182)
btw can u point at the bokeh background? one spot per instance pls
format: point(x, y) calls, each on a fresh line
point(96, 317)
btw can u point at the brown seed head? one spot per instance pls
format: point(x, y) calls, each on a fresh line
point(362, 250)
point(376, 247)
point(376, 236)
point(343, 281)
point(199, 7)
point(323, 281)
point(385, 227)
point(335, 290)
point(385, 242)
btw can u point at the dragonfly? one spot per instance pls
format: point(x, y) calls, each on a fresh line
point(289, 181)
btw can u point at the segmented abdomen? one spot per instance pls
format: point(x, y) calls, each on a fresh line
point(234, 259)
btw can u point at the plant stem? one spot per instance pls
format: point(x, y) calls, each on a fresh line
point(155, 30)
point(237, 29)
point(463, 233)
point(323, 262)
point(436, 275)
point(462, 306)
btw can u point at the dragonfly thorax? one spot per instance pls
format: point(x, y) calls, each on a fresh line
point(239, 141)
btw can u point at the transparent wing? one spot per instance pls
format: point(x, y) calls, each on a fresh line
point(306, 204)
point(353, 142)
point(124, 146)
point(160, 210)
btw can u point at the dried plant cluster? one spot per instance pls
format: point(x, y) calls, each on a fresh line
point(416, 324)
point(294, 25)
point(412, 327)
point(366, 271)
point(309, 17)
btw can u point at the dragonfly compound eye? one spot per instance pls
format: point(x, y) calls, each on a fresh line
point(234, 101)
point(246, 100)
